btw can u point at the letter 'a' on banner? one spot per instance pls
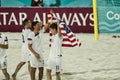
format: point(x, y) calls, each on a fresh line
point(95, 19)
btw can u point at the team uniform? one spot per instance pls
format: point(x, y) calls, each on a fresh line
point(3, 56)
point(55, 57)
point(36, 41)
point(24, 49)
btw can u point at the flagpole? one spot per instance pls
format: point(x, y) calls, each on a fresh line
point(95, 19)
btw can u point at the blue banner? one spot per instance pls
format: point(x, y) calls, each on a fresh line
point(109, 19)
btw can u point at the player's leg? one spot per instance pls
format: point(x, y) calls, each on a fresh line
point(48, 73)
point(32, 73)
point(7, 76)
point(19, 66)
point(58, 76)
point(58, 68)
point(41, 73)
point(29, 68)
point(4, 68)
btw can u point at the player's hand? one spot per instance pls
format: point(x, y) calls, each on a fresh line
point(37, 56)
point(51, 11)
point(40, 24)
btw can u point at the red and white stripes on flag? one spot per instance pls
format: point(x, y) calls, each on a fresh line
point(69, 38)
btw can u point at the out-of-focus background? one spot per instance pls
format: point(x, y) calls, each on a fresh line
point(60, 3)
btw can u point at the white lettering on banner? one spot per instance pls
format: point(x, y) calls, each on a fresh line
point(37, 17)
point(13, 19)
point(64, 17)
point(22, 17)
point(75, 19)
point(92, 19)
point(113, 16)
point(44, 18)
point(70, 19)
point(4, 17)
point(84, 18)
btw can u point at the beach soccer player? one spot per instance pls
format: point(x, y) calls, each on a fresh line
point(3, 56)
point(24, 50)
point(36, 51)
point(54, 62)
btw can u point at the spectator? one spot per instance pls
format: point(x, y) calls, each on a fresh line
point(37, 3)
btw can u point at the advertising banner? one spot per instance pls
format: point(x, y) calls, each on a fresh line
point(80, 20)
point(109, 19)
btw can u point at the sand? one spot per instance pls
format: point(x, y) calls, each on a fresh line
point(94, 60)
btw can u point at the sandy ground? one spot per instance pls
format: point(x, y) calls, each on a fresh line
point(94, 60)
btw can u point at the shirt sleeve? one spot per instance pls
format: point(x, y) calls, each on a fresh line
point(30, 39)
point(6, 40)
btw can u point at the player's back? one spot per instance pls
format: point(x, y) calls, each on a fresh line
point(25, 34)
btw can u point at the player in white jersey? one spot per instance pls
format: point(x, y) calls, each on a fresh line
point(3, 56)
point(54, 62)
point(24, 50)
point(35, 47)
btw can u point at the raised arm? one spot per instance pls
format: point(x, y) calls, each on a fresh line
point(46, 27)
point(59, 31)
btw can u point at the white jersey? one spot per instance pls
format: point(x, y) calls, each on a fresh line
point(3, 40)
point(36, 41)
point(24, 49)
point(56, 46)
point(55, 60)
point(25, 33)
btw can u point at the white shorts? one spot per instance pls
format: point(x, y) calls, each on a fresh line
point(55, 64)
point(25, 54)
point(3, 63)
point(36, 63)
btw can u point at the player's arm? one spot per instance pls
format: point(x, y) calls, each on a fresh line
point(46, 27)
point(31, 49)
point(59, 31)
point(4, 46)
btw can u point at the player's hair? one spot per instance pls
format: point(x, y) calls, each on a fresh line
point(34, 24)
point(25, 21)
point(54, 26)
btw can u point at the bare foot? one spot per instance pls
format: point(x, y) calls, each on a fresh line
point(14, 77)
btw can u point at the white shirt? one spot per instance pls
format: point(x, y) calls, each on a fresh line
point(3, 40)
point(56, 46)
point(25, 33)
point(36, 41)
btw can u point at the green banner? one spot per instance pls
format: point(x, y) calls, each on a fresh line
point(109, 19)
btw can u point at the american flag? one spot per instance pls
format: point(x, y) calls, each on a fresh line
point(69, 38)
